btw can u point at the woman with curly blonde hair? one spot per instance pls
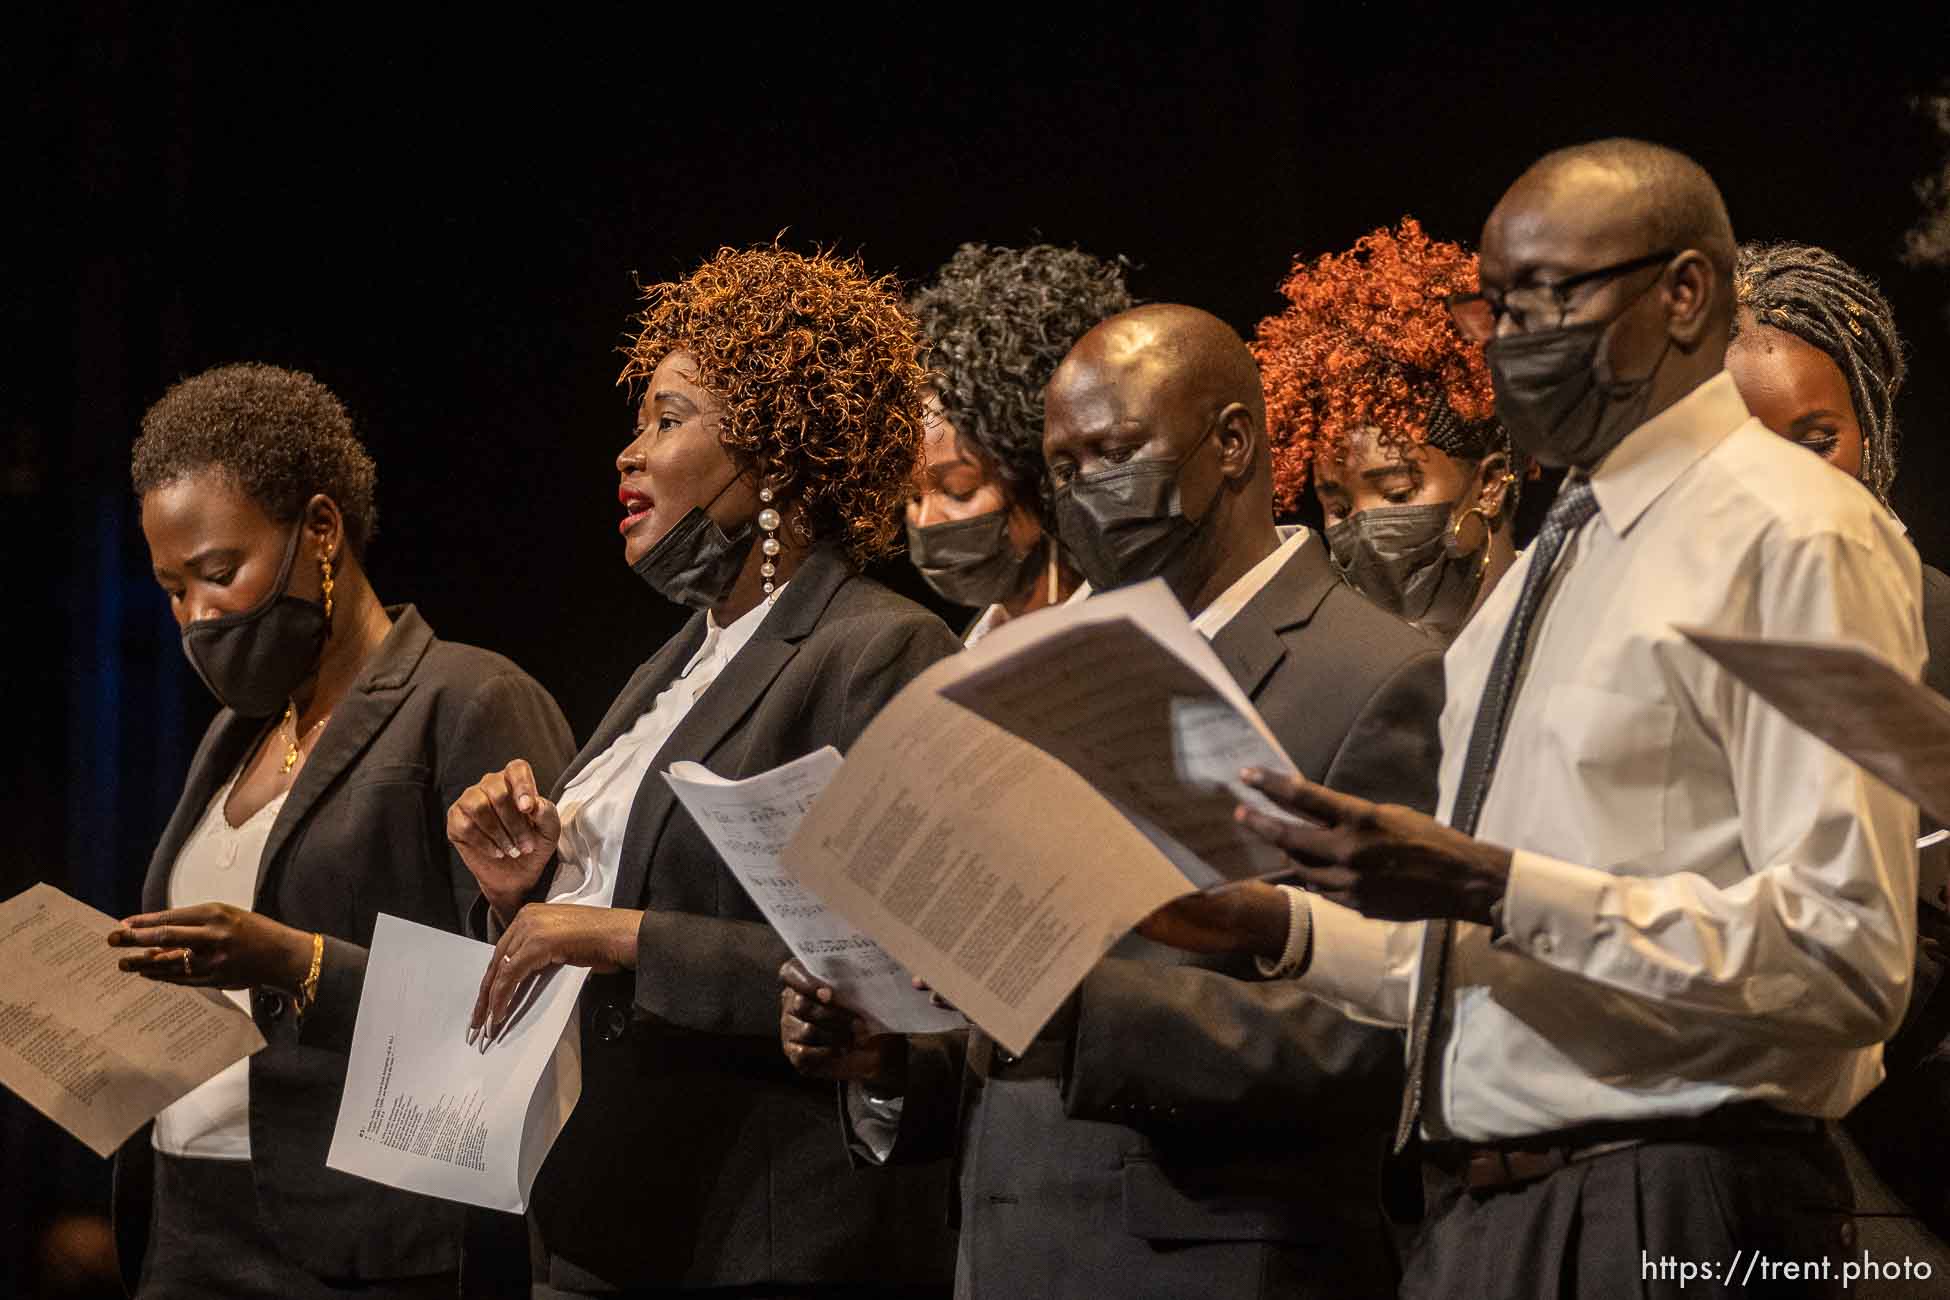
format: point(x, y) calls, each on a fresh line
point(779, 430)
point(1372, 392)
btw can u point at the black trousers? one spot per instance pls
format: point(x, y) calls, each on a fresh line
point(206, 1242)
point(1761, 1216)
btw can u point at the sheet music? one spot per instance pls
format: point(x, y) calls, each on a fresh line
point(1856, 701)
point(427, 1111)
point(996, 872)
point(1163, 738)
point(748, 822)
point(97, 1049)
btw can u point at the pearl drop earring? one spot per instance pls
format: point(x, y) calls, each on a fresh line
point(768, 523)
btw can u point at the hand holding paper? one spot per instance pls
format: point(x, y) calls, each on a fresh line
point(426, 1107)
point(97, 1050)
point(748, 822)
point(1000, 875)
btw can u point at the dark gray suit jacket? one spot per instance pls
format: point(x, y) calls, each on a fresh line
point(696, 1156)
point(1186, 1128)
point(363, 831)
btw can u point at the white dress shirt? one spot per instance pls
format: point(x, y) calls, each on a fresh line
point(595, 806)
point(218, 863)
point(1707, 904)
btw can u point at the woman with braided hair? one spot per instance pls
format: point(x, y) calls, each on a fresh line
point(1372, 392)
point(1816, 355)
point(997, 322)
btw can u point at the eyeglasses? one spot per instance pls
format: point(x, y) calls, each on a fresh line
point(1534, 306)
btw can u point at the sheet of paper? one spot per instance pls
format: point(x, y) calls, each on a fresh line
point(427, 1111)
point(95, 1049)
point(748, 822)
point(1129, 696)
point(986, 866)
point(1854, 699)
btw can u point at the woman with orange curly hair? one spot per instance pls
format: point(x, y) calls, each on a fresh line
point(1372, 392)
point(778, 433)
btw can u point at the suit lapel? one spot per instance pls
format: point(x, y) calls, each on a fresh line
point(638, 695)
point(1250, 645)
point(724, 704)
point(366, 708)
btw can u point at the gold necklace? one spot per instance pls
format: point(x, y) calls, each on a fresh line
point(289, 726)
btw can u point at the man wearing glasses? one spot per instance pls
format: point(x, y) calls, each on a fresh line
point(1657, 934)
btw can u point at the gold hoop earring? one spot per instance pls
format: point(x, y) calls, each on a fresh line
point(325, 581)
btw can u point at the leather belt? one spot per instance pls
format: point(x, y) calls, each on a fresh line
point(1516, 1161)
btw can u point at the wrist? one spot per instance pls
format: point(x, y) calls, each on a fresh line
point(504, 904)
point(294, 961)
point(889, 1079)
point(627, 925)
point(1489, 881)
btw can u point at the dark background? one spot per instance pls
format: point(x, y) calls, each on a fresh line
point(442, 220)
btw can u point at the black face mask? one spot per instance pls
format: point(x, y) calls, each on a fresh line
point(1553, 402)
point(253, 661)
point(695, 563)
point(970, 561)
point(1396, 556)
point(1127, 524)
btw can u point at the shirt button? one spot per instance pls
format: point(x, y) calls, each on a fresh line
point(612, 1022)
point(270, 1005)
point(1542, 943)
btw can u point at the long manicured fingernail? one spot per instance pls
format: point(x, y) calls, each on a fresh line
point(527, 847)
point(524, 803)
point(473, 1032)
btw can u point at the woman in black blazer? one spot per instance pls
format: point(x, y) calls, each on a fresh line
point(778, 434)
point(315, 802)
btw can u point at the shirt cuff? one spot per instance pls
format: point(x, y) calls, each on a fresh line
point(1358, 963)
point(875, 1120)
point(1299, 938)
point(1550, 909)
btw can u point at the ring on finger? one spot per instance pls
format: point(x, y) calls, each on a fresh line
point(187, 969)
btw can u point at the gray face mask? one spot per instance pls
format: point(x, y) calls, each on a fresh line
point(1551, 397)
point(1396, 556)
point(1125, 524)
point(970, 561)
point(696, 563)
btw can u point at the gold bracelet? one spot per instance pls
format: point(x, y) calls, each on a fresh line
point(308, 991)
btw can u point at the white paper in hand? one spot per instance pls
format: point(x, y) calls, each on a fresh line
point(96, 1049)
point(748, 822)
point(1136, 702)
point(429, 1112)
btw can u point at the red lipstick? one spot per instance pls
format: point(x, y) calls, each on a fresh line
point(636, 507)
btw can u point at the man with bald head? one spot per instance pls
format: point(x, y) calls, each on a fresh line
point(1658, 934)
point(1187, 1127)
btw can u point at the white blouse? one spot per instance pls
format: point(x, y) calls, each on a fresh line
point(218, 863)
point(595, 807)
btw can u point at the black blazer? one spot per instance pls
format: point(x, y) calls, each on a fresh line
point(696, 1157)
point(363, 831)
point(1184, 1127)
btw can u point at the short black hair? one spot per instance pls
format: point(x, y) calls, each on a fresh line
point(1823, 301)
point(279, 435)
point(998, 321)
